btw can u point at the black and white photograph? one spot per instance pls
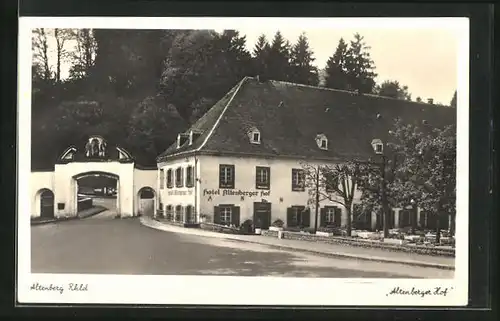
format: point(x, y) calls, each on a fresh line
point(243, 161)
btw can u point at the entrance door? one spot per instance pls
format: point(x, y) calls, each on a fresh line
point(146, 202)
point(47, 204)
point(262, 215)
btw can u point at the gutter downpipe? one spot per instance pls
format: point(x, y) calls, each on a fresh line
point(196, 189)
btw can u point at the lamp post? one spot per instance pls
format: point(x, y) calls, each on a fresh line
point(378, 147)
point(413, 216)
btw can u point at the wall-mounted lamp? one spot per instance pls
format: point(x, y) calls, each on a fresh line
point(281, 199)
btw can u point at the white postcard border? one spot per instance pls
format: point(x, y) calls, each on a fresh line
point(224, 290)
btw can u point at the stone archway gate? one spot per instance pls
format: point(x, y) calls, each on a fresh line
point(94, 157)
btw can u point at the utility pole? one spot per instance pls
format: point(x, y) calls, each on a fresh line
point(317, 202)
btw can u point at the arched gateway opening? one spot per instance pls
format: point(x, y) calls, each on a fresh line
point(97, 191)
point(146, 197)
point(46, 201)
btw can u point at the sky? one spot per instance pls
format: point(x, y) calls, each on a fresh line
point(424, 59)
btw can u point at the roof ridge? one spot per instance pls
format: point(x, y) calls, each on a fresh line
point(211, 131)
point(350, 92)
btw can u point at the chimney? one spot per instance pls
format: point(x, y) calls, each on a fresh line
point(430, 101)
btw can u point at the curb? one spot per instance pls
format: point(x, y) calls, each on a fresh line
point(160, 226)
point(54, 221)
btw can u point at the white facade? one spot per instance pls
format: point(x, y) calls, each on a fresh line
point(206, 193)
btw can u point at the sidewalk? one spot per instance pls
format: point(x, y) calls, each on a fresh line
point(345, 251)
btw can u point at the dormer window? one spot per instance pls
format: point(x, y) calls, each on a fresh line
point(378, 146)
point(254, 135)
point(322, 141)
point(182, 139)
point(193, 136)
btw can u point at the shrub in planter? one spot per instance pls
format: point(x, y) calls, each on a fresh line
point(247, 226)
point(278, 223)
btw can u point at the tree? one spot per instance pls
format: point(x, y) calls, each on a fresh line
point(393, 89)
point(302, 70)
point(279, 58)
point(153, 126)
point(336, 72)
point(335, 183)
point(260, 57)
point(84, 54)
point(203, 64)
point(41, 52)
point(407, 182)
point(359, 66)
point(453, 102)
point(372, 182)
point(438, 157)
point(61, 36)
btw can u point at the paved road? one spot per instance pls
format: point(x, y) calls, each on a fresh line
point(113, 246)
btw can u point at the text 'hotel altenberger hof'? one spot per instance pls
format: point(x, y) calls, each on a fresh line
point(243, 159)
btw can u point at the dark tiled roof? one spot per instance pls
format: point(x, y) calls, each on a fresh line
point(202, 125)
point(289, 116)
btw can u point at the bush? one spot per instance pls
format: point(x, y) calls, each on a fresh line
point(247, 226)
point(299, 229)
point(278, 223)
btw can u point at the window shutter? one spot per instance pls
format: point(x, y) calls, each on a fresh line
point(422, 219)
point(233, 176)
point(322, 217)
point(269, 177)
point(235, 215)
point(289, 217)
point(337, 216)
point(216, 215)
point(306, 218)
point(257, 169)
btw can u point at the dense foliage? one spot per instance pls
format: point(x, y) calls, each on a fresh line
point(139, 88)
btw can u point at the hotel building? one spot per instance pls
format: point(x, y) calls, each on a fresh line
point(243, 160)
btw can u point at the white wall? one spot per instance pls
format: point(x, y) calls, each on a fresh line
point(145, 178)
point(40, 180)
point(66, 186)
point(280, 194)
point(177, 195)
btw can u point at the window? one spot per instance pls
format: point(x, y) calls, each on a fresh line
point(162, 177)
point(262, 177)
point(298, 216)
point(170, 179)
point(330, 216)
point(298, 178)
point(225, 215)
point(322, 141)
point(189, 176)
point(169, 212)
point(378, 148)
point(324, 144)
point(190, 218)
point(254, 136)
point(331, 183)
point(226, 176)
point(178, 177)
point(178, 213)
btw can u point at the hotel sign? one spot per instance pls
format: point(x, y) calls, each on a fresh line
point(234, 192)
point(179, 193)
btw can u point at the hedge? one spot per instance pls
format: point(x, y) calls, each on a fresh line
point(417, 249)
